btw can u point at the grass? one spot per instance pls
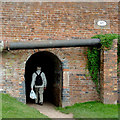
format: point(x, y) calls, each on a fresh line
point(11, 108)
point(91, 110)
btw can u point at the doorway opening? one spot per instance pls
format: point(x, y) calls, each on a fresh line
point(52, 67)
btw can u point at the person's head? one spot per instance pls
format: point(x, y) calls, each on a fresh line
point(38, 68)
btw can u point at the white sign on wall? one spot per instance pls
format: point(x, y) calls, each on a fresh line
point(102, 24)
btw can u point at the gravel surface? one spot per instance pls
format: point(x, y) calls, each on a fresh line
point(49, 110)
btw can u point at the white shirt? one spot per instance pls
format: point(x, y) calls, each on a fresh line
point(34, 75)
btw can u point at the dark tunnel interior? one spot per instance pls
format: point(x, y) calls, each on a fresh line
point(52, 67)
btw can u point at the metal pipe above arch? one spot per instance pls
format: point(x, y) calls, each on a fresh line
point(50, 44)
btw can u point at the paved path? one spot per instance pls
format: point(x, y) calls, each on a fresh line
point(48, 109)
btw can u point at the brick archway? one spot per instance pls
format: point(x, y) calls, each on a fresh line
point(52, 67)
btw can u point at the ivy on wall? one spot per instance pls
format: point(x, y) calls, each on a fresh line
point(93, 55)
point(118, 49)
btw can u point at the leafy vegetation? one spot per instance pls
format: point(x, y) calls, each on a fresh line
point(91, 110)
point(11, 108)
point(106, 40)
point(118, 50)
point(93, 55)
point(93, 65)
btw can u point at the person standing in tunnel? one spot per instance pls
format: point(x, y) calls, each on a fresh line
point(40, 82)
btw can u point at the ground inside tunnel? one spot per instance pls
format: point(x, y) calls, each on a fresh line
point(52, 67)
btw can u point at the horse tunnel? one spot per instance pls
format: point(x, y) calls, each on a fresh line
point(52, 67)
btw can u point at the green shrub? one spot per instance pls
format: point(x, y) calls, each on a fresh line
point(93, 55)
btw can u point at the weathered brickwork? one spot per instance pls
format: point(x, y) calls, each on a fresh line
point(109, 85)
point(46, 21)
point(119, 82)
point(54, 21)
point(76, 87)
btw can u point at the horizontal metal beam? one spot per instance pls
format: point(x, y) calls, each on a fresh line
point(50, 44)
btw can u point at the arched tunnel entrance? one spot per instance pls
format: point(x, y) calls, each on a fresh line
point(52, 67)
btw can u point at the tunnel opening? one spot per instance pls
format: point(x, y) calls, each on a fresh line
point(52, 67)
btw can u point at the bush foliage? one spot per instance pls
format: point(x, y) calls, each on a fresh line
point(93, 55)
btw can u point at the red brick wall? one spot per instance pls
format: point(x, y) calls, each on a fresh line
point(109, 85)
point(53, 21)
point(33, 21)
point(119, 82)
point(82, 88)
